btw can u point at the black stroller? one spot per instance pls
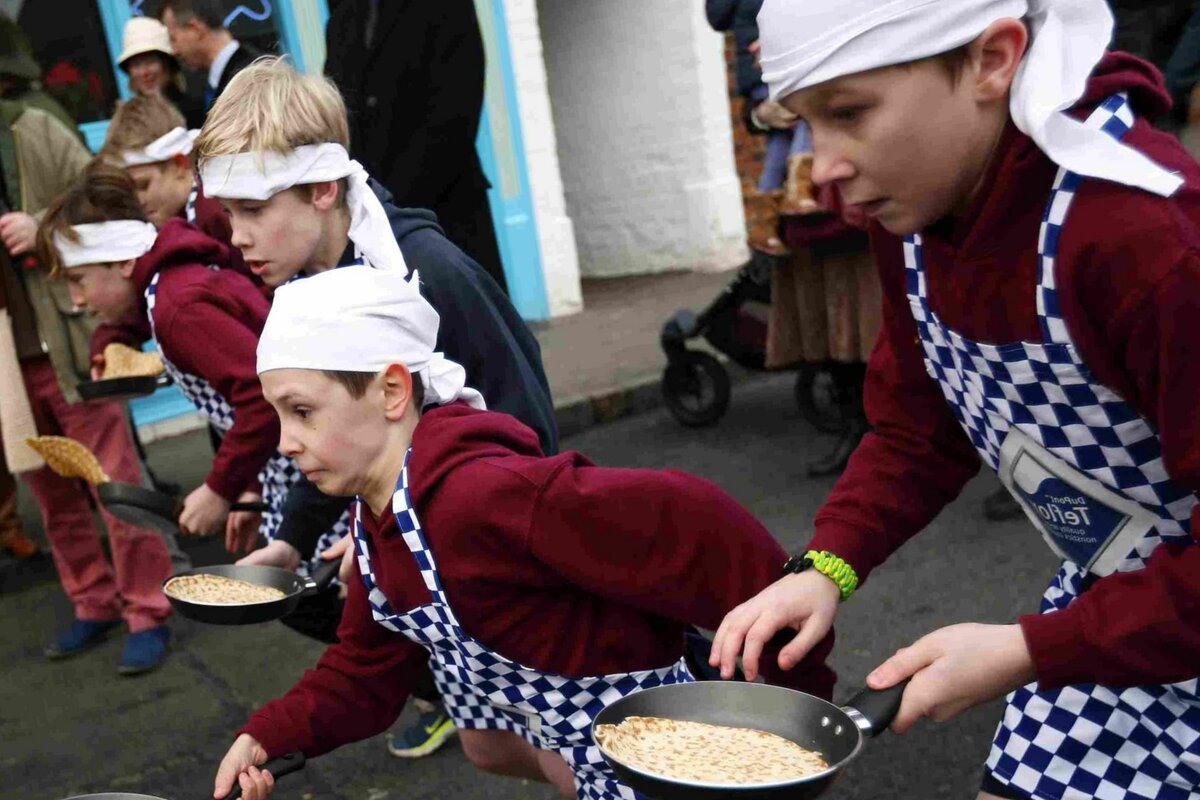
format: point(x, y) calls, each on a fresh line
point(696, 386)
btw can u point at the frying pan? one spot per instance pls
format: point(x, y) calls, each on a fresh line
point(147, 508)
point(837, 733)
point(292, 585)
point(123, 388)
point(278, 767)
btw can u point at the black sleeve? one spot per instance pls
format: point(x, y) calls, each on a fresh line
point(481, 330)
point(720, 13)
point(307, 514)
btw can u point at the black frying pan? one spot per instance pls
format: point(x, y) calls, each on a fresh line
point(292, 585)
point(147, 508)
point(284, 765)
point(122, 388)
point(837, 733)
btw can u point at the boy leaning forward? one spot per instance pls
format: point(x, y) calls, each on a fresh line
point(539, 588)
point(1037, 241)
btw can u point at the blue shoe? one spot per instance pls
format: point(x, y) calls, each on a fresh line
point(144, 650)
point(81, 636)
point(423, 737)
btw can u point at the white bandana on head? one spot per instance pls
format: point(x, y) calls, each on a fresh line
point(262, 175)
point(359, 319)
point(809, 42)
point(106, 242)
point(176, 142)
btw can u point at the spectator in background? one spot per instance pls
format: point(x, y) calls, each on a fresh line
point(202, 42)
point(412, 75)
point(39, 159)
point(149, 60)
point(20, 74)
point(1149, 28)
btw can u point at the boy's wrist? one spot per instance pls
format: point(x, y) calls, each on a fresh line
point(828, 564)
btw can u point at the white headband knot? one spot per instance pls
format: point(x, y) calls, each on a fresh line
point(809, 42)
point(360, 319)
point(106, 242)
point(176, 142)
point(262, 175)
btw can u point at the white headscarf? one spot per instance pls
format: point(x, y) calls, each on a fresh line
point(262, 175)
point(359, 319)
point(106, 242)
point(808, 42)
point(176, 142)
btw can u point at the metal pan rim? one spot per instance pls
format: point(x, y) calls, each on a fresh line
point(824, 774)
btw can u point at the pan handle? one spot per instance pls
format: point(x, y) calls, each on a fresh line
point(278, 767)
point(322, 576)
point(873, 711)
point(257, 507)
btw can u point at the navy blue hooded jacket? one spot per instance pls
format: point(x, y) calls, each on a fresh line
point(479, 329)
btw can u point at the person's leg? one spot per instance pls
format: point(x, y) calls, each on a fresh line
point(67, 519)
point(140, 558)
point(467, 221)
point(12, 534)
point(432, 727)
point(504, 753)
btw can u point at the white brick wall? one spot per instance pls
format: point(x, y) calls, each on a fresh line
point(644, 137)
point(556, 234)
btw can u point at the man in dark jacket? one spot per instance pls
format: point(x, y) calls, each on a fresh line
point(203, 43)
point(412, 74)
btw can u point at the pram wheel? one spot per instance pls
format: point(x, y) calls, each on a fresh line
point(695, 388)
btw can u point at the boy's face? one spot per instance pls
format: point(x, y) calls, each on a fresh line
point(333, 438)
point(278, 237)
point(901, 143)
point(162, 188)
point(104, 290)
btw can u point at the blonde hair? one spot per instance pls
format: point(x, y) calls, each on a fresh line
point(269, 106)
point(137, 123)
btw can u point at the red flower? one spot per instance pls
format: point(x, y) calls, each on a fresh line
point(62, 75)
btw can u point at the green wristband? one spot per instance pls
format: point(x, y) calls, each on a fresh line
point(835, 569)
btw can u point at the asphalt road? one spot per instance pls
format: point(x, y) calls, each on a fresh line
point(75, 727)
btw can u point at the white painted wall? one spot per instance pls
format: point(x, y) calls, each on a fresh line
point(556, 234)
point(644, 135)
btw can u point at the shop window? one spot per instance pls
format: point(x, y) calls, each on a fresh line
point(67, 43)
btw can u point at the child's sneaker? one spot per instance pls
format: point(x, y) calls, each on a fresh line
point(81, 636)
point(144, 650)
point(426, 735)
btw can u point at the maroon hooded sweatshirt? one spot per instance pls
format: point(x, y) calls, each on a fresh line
point(207, 322)
point(551, 561)
point(1128, 273)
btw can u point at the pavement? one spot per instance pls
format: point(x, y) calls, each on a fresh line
point(74, 726)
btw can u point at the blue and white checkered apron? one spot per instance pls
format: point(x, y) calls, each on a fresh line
point(277, 475)
point(483, 690)
point(1082, 741)
point(189, 208)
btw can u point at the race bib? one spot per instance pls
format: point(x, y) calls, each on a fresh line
point(1081, 520)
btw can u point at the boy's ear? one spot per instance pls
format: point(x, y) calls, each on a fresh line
point(126, 268)
point(397, 391)
point(325, 195)
point(997, 54)
point(181, 162)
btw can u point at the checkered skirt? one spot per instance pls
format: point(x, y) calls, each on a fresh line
point(277, 475)
point(487, 691)
point(1082, 741)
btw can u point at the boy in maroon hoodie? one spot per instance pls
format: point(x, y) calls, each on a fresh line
point(1037, 242)
point(205, 322)
point(544, 587)
point(147, 138)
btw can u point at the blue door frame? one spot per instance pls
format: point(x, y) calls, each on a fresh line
point(500, 144)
